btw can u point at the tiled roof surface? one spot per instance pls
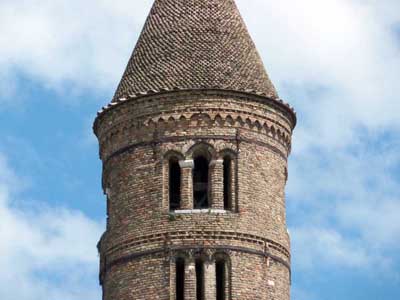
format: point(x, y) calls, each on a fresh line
point(191, 44)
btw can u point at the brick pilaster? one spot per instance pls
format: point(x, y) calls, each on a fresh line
point(217, 184)
point(210, 280)
point(172, 279)
point(190, 280)
point(186, 184)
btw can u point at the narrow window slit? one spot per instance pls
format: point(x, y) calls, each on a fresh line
point(227, 183)
point(220, 272)
point(174, 184)
point(199, 280)
point(180, 279)
point(200, 182)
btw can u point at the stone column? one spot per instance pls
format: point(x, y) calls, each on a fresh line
point(172, 279)
point(190, 280)
point(217, 183)
point(210, 281)
point(186, 183)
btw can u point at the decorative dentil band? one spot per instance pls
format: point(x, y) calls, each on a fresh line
point(220, 118)
point(167, 237)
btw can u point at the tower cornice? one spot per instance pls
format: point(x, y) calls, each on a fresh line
point(258, 96)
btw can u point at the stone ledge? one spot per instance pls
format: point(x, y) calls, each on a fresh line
point(161, 251)
point(205, 235)
point(200, 211)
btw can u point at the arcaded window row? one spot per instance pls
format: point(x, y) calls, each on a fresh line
point(209, 279)
point(204, 181)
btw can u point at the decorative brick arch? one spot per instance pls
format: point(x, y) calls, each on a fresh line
point(201, 148)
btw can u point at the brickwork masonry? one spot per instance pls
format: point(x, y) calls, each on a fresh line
point(144, 238)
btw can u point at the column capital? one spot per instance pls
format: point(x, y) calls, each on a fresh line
point(216, 162)
point(189, 163)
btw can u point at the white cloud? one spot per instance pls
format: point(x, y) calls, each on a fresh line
point(337, 62)
point(321, 247)
point(346, 205)
point(68, 44)
point(45, 253)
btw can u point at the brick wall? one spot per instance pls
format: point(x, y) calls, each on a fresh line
point(143, 237)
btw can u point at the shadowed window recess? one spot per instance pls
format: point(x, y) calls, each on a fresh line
point(227, 182)
point(200, 182)
point(220, 275)
point(199, 280)
point(180, 279)
point(174, 184)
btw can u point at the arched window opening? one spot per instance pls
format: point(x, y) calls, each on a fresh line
point(174, 184)
point(227, 183)
point(220, 273)
point(200, 182)
point(180, 279)
point(199, 279)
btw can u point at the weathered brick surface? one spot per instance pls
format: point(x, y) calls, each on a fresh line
point(133, 280)
point(195, 84)
point(136, 137)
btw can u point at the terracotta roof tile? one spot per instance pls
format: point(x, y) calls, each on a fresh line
point(194, 44)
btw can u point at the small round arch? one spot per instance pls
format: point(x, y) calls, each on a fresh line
point(202, 148)
point(202, 154)
point(173, 153)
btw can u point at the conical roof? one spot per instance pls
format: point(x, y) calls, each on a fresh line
point(195, 44)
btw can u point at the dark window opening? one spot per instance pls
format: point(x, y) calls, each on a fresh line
point(200, 182)
point(227, 183)
point(221, 279)
point(180, 279)
point(174, 185)
point(199, 280)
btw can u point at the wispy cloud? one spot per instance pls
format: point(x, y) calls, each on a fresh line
point(67, 45)
point(336, 61)
point(45, 253)
point(321, 247)
point(346, 205)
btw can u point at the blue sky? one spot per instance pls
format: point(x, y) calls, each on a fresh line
point(337, 62)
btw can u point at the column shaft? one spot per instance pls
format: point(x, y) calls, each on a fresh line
point(186, 184)
point(172, 280)
point(217, 184)
point(210, 281)
point(190, 280)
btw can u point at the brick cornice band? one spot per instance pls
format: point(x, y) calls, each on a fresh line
point(226, 248)
point(162, 238)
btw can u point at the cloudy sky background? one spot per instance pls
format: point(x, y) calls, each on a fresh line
point(337, 62)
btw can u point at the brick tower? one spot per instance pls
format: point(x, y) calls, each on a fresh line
point(194, 148)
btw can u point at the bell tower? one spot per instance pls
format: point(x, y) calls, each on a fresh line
point(194, 147)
